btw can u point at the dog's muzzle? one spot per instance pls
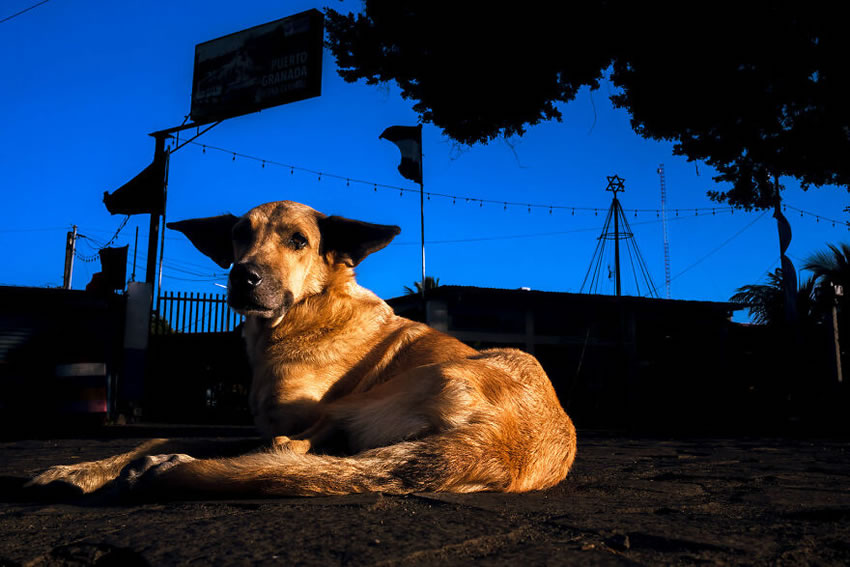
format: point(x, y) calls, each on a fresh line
point(252, 291)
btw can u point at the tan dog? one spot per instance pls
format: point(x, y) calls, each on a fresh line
point(401, 407)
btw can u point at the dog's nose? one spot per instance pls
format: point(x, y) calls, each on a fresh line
point(247, 274)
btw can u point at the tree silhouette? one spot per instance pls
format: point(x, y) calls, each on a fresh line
point(831, 268)
point(472, 69)
point(766, 302)
point(757, 90)
point(430, 283)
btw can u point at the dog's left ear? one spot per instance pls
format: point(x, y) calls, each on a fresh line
point(350, 240)
point(211, 235)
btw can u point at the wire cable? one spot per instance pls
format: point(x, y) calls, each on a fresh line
point(24, 11)
point(725, 242)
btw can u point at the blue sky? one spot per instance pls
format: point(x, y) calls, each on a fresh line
point(84, 82)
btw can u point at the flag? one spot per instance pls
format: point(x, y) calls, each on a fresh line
point(113, 265)
point(409, 142)
point(143, 194)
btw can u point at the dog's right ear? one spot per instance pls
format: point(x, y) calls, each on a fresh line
point(211, 235)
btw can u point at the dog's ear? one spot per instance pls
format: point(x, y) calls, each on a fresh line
point(211, 235)
point(350, 240)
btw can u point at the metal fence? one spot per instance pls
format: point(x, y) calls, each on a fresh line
point(191, 312)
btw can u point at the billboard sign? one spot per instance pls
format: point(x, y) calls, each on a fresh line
point(264, 66)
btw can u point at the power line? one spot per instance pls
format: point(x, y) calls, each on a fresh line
point(24, 11)
point(46, 229)
point(201, 280)
point(725, 242)
point(535, 234)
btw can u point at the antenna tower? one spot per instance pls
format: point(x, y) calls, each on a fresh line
point(621, 231)
point(664, 223)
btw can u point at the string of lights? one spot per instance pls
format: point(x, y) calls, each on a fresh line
point(676, 214)
point(818, 217)
point(480, 201)
point(98, 245)
point(506, 205)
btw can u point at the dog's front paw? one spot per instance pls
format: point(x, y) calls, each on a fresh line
point(298, 446)
point(80, 478)
point(144, 476)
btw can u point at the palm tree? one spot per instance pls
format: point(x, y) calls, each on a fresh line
point(831, 268)
point(766, 302)
point(430, 283)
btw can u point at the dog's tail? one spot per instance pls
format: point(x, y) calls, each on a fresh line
point(464, 460)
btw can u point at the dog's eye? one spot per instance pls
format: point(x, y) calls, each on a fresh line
point(297, 241)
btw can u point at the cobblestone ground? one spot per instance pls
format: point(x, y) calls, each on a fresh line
point(628, 501)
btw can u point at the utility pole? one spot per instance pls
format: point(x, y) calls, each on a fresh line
point(153, 232)
point(135, 253)
point(837, 291)
point(70, 251)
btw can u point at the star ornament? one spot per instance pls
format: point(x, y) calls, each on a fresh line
point(615, 183)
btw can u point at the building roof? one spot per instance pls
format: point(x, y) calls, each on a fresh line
point(452, 293)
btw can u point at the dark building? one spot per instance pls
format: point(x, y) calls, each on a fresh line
point(627, 361)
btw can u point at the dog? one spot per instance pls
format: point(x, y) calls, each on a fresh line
point(349, 396)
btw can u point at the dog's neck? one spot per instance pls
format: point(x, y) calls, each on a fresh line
point(297, 362)
point(320, 328)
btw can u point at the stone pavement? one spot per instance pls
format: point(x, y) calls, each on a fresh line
point(628, 501)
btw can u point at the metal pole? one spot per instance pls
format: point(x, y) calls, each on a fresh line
point(135, 252)
point(162, 249)
point(838, 291)
point(422, 216)
point(422, 226)
point(616, 207)
point(70, 251)
point(153, 233)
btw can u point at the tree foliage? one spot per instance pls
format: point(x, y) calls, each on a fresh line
point(430, 283)
point(766, 302)
point(472, 69)
point(831, 267)
point(815, 296)
point(757, 90)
